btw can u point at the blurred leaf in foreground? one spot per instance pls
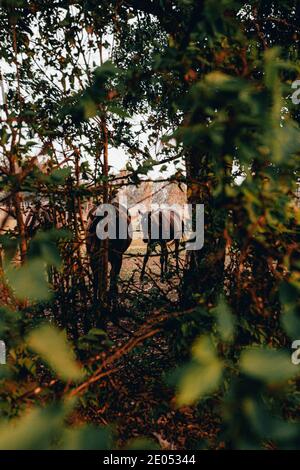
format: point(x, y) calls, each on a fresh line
point(29, 281)
point(265, 424)
point(202, 375)
point(88, 438)
point(225, 321)
point(51, 344)
point(35, 430)
point(268, 365)
point(142, 443)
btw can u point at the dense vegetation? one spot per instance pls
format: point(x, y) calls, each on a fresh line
point(213, 81)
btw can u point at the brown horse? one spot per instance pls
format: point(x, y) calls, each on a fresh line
point(116, 246)
point(160, 227)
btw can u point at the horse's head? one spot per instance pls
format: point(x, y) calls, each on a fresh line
point(110, 221)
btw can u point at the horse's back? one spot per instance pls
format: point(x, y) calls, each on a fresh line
point(122, 239)
point(165, 224)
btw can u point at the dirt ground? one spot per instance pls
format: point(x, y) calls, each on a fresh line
point(138, 399)
point(133, 260)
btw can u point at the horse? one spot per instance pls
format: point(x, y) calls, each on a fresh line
point(116, 246)
point(160, 227)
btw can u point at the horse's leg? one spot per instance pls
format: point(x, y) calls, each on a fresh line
point(163, 258)
point(146, 257)
point(161, 261)
point(177, 254)
point(95, 277)
point(101, 309)
point(116, 264)
point(166, 257)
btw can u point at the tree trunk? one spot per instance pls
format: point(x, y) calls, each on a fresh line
point(204, 269)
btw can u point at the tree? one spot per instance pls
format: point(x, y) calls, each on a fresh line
point(215, 77)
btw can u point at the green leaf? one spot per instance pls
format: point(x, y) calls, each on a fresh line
point(197, 381)
point(106, 70)
point(29, 281)
point(34, 431)
point(217, 78)
point(203, 350)
point(142, 443)
point(290, 320)
point(90, 108)
point(59, 175)
point(225, 321)
point(268, 365)
point(87, 438)
point(289, 294)
point(264, 424)
point(202, 375)
point(45, 245)
point(118, 110)
point(51, 344)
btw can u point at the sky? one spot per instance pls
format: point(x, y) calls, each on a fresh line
point(117, 156)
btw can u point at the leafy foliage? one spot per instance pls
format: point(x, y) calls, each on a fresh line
point(211, 82)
